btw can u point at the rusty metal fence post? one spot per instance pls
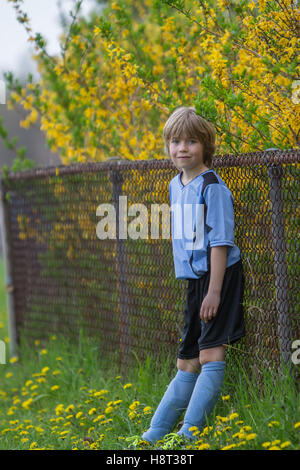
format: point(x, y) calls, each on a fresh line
point(275, 173)
point(124, 317)
point(4, 221)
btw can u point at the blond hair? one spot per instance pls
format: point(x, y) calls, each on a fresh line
point(185, 121)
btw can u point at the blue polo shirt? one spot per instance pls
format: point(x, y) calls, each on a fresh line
point(202, 216)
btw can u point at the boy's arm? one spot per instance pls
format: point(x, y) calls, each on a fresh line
point(211, 301)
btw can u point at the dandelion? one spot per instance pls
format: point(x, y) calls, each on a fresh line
point(203, 446)
point(43, 351)
point(246, 428)
point(251, 436)
point(230, 446)
point(92, 411)
point(13, 359)
point(233, 416)
point(69, 408)
point(100, 393)
point(27, 403)
point(273, 423)
point(8, 375)
point(223, 419)
point(134, 405)
point(266, 444)
point(55, 387)
point(226, 397)
point(127, 386)
point(285, 444)
point(274, 443)
point(147, 410)
point(297, 425)
point(59, 409)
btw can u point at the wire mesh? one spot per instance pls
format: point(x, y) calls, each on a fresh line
point(122, 290)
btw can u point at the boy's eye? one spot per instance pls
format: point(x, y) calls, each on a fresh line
point(175, 141)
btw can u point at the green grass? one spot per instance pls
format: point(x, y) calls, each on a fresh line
point(63, 395)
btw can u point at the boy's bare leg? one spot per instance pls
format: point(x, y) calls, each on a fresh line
point(189, 365)
point(212, 355)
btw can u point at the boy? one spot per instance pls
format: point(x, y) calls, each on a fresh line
point(208, 258)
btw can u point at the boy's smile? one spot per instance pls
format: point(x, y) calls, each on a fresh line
point(187, 156)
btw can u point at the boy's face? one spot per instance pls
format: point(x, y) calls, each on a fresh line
point(186, 153)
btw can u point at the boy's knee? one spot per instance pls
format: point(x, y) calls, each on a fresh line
point(212, 355)
point(189, 365)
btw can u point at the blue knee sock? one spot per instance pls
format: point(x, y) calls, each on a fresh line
point(173, 403)
point(204, 397)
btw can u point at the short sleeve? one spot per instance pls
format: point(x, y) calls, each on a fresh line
point(219, 215)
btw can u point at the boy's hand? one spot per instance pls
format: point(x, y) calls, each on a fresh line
point(210, 306)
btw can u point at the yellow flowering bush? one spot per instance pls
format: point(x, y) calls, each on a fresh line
point(120, 74)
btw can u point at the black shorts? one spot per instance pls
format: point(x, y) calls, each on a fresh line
point(228, 324)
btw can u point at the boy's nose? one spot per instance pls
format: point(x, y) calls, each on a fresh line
point(182, 146)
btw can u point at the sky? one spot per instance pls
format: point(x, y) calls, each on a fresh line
point(15, 50)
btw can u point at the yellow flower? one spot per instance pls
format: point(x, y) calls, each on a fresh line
point(193, 428)
point(43, 351)
point(134, 405)
point(92, 411)
point(203, 446)
point(273, 423)
point(55, 387)
point(266, 444)
point(101, 392)
point(13, 359)
point(59, 409)
point(70, 408)
point(233, 415)
point(147, 410)
point(27, 403)
point(8, 375)
point(274, 448)
point(230, 446)
point(251, 436)
point(246, 428)
point(78, 414)
point(226, 397)
point(274, 443)
point(127, 386)
point(297, 425)
point(285, 444)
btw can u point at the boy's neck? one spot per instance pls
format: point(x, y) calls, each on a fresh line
point(187, 176)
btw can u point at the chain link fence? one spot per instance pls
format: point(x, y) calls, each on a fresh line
point(62, 278)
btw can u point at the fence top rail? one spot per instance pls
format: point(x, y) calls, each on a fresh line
point(266, 157)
